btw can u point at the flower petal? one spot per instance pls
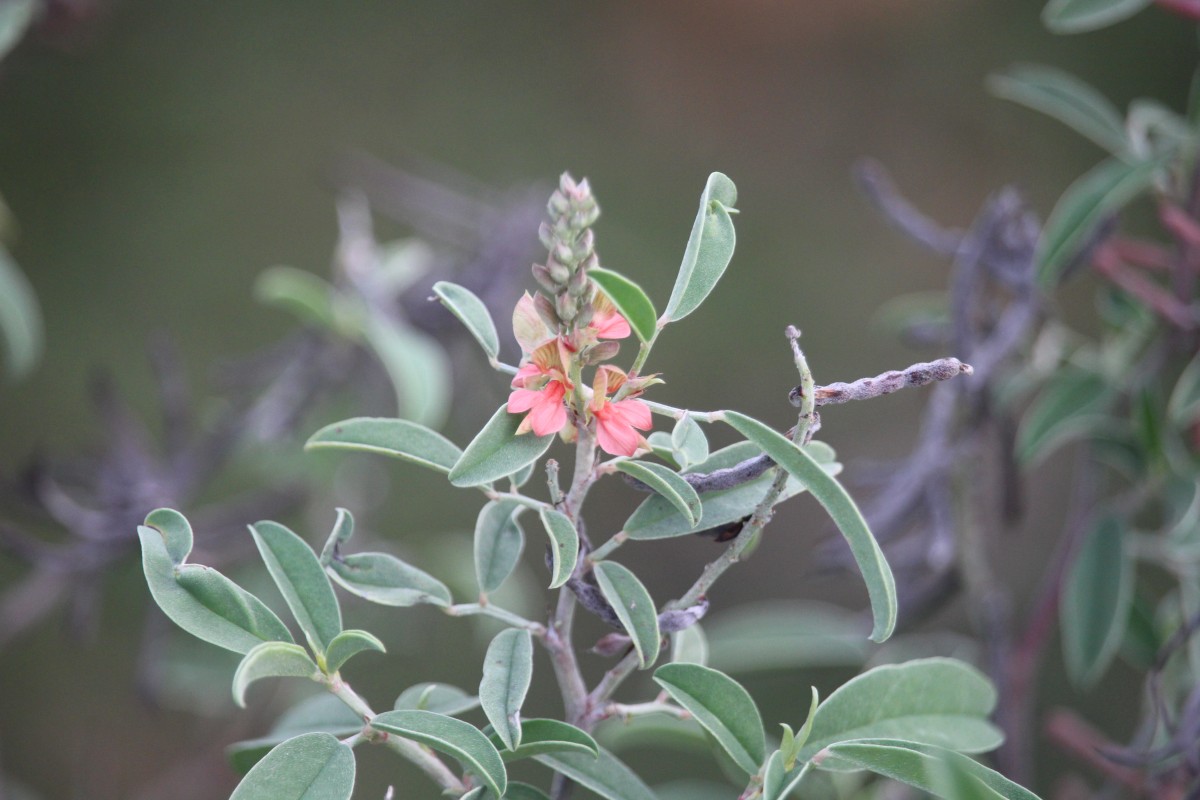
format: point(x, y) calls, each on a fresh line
point(549, 415)
point(634, 413)
point(615, 436)
point(522, 400)
point(528, 327)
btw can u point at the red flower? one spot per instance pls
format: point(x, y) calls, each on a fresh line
point(539, 388)
point(606, 320)
point(618, 423)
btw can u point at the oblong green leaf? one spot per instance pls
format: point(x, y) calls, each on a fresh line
point(305, 295)
point(176, 532)
point(1095, 603)
point(471, 312)
point(507, 672)
point(1078, 16)
point(499, 541)
point(690, 645)
point(439, 697)
point(936, 701)
point(924, 766)
point(722, 706)
point(667, 484)
point(347, 644)
point(417, 365)
point(384, 579)
point(881, 586)
point(272, 660)
point(1071, 404)
point(688, 440)
point(709, 248)
point(343, 529)
point(20, 318)
point(785, 635)
point(604, 774)
point(497, 451)
point(540, 736)
point(634, 606)
point(313, 766)
point(15, 18)
point(320, 713)
point(630, 300)
point(451, 736)
point(204, 602)
point(1066, 98)
point(1100, 191)
point(564, 545)
point(301, 580)
point(399, 438)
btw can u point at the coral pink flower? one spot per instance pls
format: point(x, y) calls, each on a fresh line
point(606, 320)
point(539, 388)
point(618, 423)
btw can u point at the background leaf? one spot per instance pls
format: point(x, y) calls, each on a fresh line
point(1073, 403)
point(922, 766)
point(605, 774)
point(1078, 16)
point(343, 530)
point(689, 441)
point(634, 607)
point(20, 317)
point(499, 541)
point(204, 602)
point(722, 706)
point(321, 712)
point(473, 314)
point(439, 697)
point(936, 701)
point(564, 545)
point(507, 673)
point(841, 508)
point(272, 660)
point(1066, 98)
point(301, 580)
point(384, 579)
point(418, 366)
point(307, 296)
point(451, 736)
point(689, 645)
point(709, 248)
point(497, 451)
point(1184, 405)
point(400, 438)
point(785, 635)
point(1095, 603)
point(313, 766)
point(630, 300)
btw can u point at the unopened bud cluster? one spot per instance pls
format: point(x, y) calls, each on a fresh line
point(572, 252)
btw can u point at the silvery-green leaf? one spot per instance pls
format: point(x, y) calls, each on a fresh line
point(418, 367)
point(722, 706)
point(604, 774)
point(347, 644)
point(399, 438)
point(305, 295)
point(497, 451)
point(564, 545)
point(499, 541)
point(438, 697)
point(667, 484)
point(472, 312)
point(20, 316)
point(709, 248)
point(301, 580)
point(1067, 99)
point(688, 439)
point(384, 579)
point(451, 736)
point(272, 660)
point(633, 606)
point(313, 766)
point(1095, 602)
point(630, 300)
point(507, 673)
point(1078, 16)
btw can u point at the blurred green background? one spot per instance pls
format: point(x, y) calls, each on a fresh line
point(158, 156)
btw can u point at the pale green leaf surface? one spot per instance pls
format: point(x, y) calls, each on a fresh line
point(441, 698)
point(471, 312)
point(881, 586)
point(176, 532)
point(785, 635)
point(15, 18)
point(540, 736)
point(313, 766)
point(399, 438)
point(1073, 402)
point(689, 645)
point(507, 673)
point(1067, 99)
point(451, 736)
point(320, 713)
point(709, 249)
point(564, 545)
point(301, 293)
point(1079, 16)
point(348, 644)
point(272, 660)
point(1095, 603)
point(922, 766)
point(667, 484)
point(629, 298)
point(384, 579)
point(497, 451)
point(689, 441)
point(499, 541)
point(722, 706)
point(343, 529)
point(301, 580)
point(418, 367)
point(633, 606)
point(604, 774)
point(20, 316)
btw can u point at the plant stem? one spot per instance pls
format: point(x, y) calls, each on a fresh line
point(520, 499)
point(602, 552)
point(490, 610)
point(675, 413)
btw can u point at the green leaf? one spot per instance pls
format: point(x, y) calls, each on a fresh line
point(349, 643)
point(507, 672)
point(634, 607)
point(321, 712)
point(390, 437)
point(564, 544)
point(540, 736)
point(176, 532)
point(689, 645)
point(388, 581)
point(497, 451)
point(841, 508)
point(471, 312)
point(499, 541)
point(923, 766)
point(1073, 403)
point(630, 300)
point(204, 602)
point(709, 248)
point(1079, 16)
point(656, 518)
point(439, 697)
point(301, 293)
point(272, 660)
point(1099, 192)
point(1184, 405)
point(516, 791)
point(20, 317)
point(1066, 98)
point(302, 582)
point(689, 441)
point(937, 701)
point(418, 367)
point(451, 736)
point(1095, 603)
point(785, 635)
point(722, 706)
point(343, 529)
point(15, 18)
point(667, 484)
point(313, 766)
point(806, 729)
point(605, 774)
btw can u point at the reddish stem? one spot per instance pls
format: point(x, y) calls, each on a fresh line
point(1077, 737)
point(1106, 262)
point(1186, 8)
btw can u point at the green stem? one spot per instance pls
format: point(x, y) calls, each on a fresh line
point(675, 413)
point(491, 610)
point(519, 499)
point(604, 550)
